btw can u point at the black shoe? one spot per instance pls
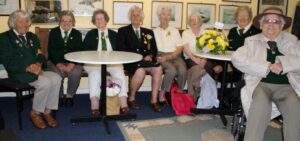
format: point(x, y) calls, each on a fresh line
point(162, 103)
point(69, 102)
point(61, 101)
point(168, 97)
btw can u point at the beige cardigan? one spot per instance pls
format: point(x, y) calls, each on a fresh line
point(251, 60)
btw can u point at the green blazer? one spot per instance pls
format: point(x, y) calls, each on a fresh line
point(57, 48)
point(16, 56)
point(91, 39)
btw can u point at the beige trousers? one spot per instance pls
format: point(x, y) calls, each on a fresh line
point(288, 104)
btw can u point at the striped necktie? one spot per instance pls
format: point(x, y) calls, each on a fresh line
point(103, 41)
point(241, 31)
point(66, 37)
point(22, 39)
point(137, 33)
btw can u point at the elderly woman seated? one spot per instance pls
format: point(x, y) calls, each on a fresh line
point(270, 62)
point(197, 67)
point(22, 58)
point(103, 39)
point(62, 40)
point(134, 38)
point(169, 47)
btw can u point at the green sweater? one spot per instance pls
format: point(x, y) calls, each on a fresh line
point(57, 47)
point(16, 56)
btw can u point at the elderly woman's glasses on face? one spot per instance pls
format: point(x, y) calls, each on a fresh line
point(272, 21)
point(66, 21)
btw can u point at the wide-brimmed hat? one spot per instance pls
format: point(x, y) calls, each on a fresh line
point(276, 11)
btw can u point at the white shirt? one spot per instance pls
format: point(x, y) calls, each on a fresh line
point(188, 37)
point(245, 29)
point(108, 45)
point(63, 32)
point(167, 40)
point(138, 29)
point(19, 34)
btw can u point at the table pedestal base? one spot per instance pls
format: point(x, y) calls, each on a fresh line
point(105, 119)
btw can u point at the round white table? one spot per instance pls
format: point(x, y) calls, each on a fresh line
point(103, 58)
point(225, 58)
point(108, 57)
point(221, 57)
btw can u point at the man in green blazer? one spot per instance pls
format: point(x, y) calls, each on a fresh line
point(21, 56)
point(62, 40)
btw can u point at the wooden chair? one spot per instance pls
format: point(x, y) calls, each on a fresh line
point(22, 91)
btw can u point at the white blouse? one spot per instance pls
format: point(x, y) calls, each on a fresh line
point(188, 37)
point(167, 40)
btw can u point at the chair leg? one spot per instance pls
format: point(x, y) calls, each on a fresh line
point(19, 108)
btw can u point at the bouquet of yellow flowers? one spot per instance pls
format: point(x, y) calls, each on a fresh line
point(213, 41)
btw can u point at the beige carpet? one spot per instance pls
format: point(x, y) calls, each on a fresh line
point(183, 128)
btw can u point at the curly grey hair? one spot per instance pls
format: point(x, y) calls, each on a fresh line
point(161, 8)
point(197, 14)
point(136, 8)
point(15, 15)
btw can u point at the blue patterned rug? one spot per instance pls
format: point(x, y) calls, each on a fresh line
point(184, 128)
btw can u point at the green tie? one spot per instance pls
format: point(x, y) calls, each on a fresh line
point(66, 36)
point(241, 31)
point(137, 33)
point(103, 41)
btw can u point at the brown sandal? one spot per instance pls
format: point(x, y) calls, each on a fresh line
point(124, 111)
point(95, 113)
point(50, 120)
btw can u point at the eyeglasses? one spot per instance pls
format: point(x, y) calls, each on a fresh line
point(70, 21)
point(272, 21)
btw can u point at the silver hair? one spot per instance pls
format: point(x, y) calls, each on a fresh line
point(263, 18)
point(195, 14)
point(161, 8)
point(133, 8)
point(15, 15)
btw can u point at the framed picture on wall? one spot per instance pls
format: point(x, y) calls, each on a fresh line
point(176, 16)
point(263, 4)
point(8, 6)
point(226, 15)
point(244, 1)
point(121, 9)
point(85, 7)
point(207, 12)
point(43, 11)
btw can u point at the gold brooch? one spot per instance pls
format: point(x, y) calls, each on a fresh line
point(168, 33)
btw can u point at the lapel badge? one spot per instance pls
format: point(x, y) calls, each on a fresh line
point(169, 33)
point(31, 43)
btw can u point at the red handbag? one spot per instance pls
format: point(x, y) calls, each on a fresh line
point(181, 102)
